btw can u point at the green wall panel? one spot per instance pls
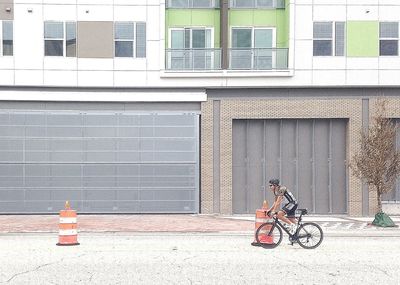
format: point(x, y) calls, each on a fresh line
point(179, 18)
point(278, 18)
point(362, 39)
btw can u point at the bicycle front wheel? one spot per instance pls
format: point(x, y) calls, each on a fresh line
point(269, 235)
point(310, 235)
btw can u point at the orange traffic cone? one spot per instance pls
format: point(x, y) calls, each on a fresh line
point(68, 231)
point(261, 218)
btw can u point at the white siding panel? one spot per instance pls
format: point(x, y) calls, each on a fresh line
point(329, 62)
point(95, 78)
point(130, 79)
point(329, 13)
point(362, 77)
point(362, 13)
point(130, 13)
point(95, 63)
point(389, 2)
point(64, 2)
point(304, 16)
point(361, 2)
point(60, 78)
point(304, 2)
point(94, 2)
point(155, 2)
point(95, 13)
point(153, 58)
point(329, 2)
point(59, 13)
point(6, 77)
point(303, 54)
point(389, 62)
point(131, 3)
point(362, 62)
point(329, 77)
point(6, 62)
point(300, 78)
point(124, 63)
point(389, 13)
point(153, 26)
point(28, 35)
point(60, 63)
point(389, 77)
point(27, 2)
point(29, 77)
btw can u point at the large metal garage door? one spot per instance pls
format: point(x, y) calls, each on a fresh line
point(307, 155)
point(101, 162)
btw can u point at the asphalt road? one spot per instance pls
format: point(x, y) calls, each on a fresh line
point(195, 259)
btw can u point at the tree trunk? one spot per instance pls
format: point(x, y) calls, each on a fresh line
point(379, 194)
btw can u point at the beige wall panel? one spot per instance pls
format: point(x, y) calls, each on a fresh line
point(4, 5)
point(95, 40)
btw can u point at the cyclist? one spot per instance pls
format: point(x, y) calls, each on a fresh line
point(288, 209)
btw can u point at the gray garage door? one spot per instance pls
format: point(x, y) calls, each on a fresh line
point(307, 155)
point(102, 162)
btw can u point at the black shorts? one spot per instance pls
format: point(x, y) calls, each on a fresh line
point(290, 209)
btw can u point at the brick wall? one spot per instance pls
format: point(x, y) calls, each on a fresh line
point(350, 109)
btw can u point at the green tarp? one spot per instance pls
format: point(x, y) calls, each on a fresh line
point(383, 220)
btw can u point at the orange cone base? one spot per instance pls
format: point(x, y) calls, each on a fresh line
point(254, 243)
point(67, 240)
point(266, 240)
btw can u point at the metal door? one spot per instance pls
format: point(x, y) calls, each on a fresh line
point(102, 162)
point(309, 157)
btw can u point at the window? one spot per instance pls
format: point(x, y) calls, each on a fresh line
point(60, 39)
point(191, 48)
point(193, 3)
point(6, 36)
point(328, 38)
point(130, 39)
point(388, 38)
point(253, 48)
point(268, 4)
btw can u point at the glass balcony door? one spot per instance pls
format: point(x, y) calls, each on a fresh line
point(190, 48)
point(252, 48)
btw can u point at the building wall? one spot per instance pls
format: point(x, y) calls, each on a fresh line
point(295, 104)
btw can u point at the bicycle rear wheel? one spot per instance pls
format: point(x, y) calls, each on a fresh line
point(269, 235)
point(309, 235)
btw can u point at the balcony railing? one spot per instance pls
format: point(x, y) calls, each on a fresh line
point(185, 4)
point(258, 58)
point(252, 4)
point(193, 59)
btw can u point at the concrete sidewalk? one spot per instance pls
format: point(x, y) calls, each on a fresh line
point(172, 223)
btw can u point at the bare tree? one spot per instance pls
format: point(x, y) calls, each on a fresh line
point(378, 161)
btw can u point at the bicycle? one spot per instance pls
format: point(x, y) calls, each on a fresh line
point(308, 235)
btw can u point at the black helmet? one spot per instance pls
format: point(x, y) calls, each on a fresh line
point(274, 181)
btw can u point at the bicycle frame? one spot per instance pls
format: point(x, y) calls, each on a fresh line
point(291, 236)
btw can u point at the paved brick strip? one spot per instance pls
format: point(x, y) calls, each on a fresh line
point(125, 223)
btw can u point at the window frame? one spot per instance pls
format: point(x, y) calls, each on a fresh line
point(332, 39)
point(191, 28)
point(253, 29)
point(390, 39)
point(253, 56)
point(64, 38)
point(1, 38)
point(134, 41)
